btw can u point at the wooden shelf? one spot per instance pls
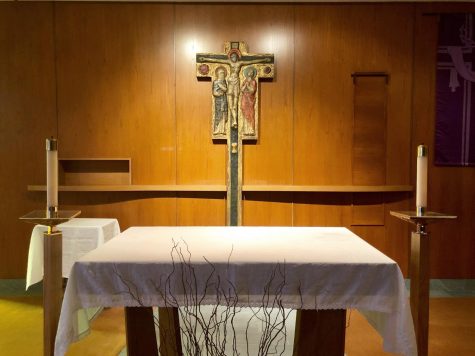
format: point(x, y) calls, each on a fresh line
point(133, 188)
point(222, 188)
point(94, 171)
point(328, 188)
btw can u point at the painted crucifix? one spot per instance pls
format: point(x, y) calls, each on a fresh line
point(235, 78)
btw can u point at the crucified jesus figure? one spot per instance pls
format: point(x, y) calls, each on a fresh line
point(231, 100)
point(235, 64)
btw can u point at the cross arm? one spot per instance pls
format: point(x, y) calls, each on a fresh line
point(256, 59)
point(211, 58)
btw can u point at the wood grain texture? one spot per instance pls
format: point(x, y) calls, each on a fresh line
point(199, 161)
point(169, 326)
point(130, 208)
point(116, 98)
point(116, 85)
point(52, 288)
point(369, 130)
point(127, 88)
point(319, 209)
point(222, 188)
point(195, 208)
point(320, 333)
point(140, 331)
point(133, 188)
point(374, 235)
point(397, 231)
point(27, 117)
point(332, 42)
point(269, 160)
point(326, 188)
point(368, 209)
point(267, 209)
point(94, 171)
point(420, 276)
point(451, 190)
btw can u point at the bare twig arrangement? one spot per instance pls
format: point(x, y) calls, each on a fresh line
point(213, 333)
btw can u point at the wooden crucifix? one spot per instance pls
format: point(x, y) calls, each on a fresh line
point(235, 78)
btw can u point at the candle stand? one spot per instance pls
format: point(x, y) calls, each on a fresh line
point(420, 271)
point(53, 277)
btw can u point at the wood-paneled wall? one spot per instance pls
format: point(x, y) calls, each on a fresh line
point(451, 189)
point(118, 80)
point(27, 117)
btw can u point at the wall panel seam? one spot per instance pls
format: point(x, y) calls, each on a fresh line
point(174, 112)
point(55, 56)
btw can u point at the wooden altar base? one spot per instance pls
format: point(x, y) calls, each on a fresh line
point(317, 332)
point(320, 333)
point(140, 331)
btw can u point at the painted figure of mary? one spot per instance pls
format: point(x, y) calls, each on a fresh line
point(220, 89)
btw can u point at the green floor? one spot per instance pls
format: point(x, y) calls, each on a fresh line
point(16, 288)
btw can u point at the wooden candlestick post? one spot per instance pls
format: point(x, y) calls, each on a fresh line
point(420, 272)
point(53, 276)
point(52, 247)
point(52, 287)
point(420, 280)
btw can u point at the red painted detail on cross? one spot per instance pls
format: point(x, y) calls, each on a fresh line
point(204, 69)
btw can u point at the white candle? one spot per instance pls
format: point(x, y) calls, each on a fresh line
point(421, 182)
point(51, 173)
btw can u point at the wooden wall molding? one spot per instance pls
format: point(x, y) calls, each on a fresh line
point(222, 188)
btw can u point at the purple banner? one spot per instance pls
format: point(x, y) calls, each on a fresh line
point(455, 102)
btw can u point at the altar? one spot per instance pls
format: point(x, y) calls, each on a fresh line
point(303, 268)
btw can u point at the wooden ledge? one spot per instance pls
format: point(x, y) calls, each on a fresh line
point(222, 188)
point(133, 188)
point(327, 188)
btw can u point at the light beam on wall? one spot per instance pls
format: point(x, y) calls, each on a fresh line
point(273, 41)
point(192, 46)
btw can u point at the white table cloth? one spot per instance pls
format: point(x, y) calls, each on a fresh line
point(325, 268)
point(80, 236)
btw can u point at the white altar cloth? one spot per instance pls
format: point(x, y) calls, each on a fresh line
point(79, 237)
point(325, 268)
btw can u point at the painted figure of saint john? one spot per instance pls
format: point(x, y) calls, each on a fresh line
point(248, 100)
